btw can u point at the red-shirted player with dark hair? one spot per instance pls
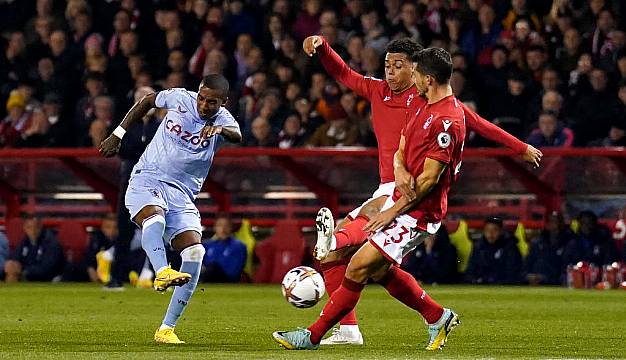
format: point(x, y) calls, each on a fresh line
point(390, 100)
point(430, 151)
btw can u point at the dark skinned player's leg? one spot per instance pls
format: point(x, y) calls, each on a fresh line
point(151, 219)
point(192, 253)
point(334, 268)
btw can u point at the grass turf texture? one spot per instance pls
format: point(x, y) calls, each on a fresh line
point(235, 322)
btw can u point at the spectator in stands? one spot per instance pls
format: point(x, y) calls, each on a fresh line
point(39, 257)
point(225, 255)
point(99, 240)
point(616, 136)
point(103, 117)
point(592, 243)
point(4, 253)
point(85, 110)
point(567, 56)
point(549, 133)
point(596, 111)
point(511, 107)
point(519, 10)
point(292, 134)
point(434, 261)
point(16, 122)
point(374, 31)
point(262, 135)
point(337, 131)
point(307, 22)
point(309, 118)
point(544, 263)
point(482, 35)
point(495, 258)
point(36, 134)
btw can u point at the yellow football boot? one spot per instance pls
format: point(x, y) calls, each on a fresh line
point(167, 336)
point(439, 332)
point(170, 277)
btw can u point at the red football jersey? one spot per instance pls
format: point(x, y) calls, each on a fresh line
point(390, 111)
point(435, 131)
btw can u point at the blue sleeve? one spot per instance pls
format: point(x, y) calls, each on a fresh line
point(513, 268)
point(472, 272)
point(233, 266)
point(168, 99)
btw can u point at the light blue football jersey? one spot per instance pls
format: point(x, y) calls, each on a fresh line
point(177, 155)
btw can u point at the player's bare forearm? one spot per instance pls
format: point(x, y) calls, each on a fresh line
point(111, 145)
point(424, 183)
point(139, 110)
point(231, 135)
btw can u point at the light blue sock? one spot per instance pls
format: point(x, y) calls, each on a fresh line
point(152, 241)
point(192, 261)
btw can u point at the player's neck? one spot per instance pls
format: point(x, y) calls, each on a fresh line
point(436, 93)
point(403, 89)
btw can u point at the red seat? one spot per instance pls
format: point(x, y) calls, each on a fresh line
point(14, 231)
point(280, 253)
point(73, 238)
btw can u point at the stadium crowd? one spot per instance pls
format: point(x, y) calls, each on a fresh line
point(551, 72)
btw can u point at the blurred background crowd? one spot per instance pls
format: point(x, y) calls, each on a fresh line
point(552, 73)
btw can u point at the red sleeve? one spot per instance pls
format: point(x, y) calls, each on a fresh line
point(491, 132)
point(362, 85)
point(442, 140)
point(569, 137)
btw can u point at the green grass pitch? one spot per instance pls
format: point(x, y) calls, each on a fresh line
point(235, 322)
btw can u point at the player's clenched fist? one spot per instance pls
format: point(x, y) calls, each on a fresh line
point(110, 146)
point(311, 43)
point(209, 131)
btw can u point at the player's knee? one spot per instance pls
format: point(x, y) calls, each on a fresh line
point(186, 239)
point(147, 212)
point(193, 253)
point(357, 273)
point(372, 208)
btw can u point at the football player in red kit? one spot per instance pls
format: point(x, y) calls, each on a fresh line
point(390, 100)
point(430, 151)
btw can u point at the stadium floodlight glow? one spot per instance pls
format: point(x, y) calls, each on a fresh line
point(78, 196)
point(298, 195)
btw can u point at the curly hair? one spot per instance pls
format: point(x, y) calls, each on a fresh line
point(406, 46)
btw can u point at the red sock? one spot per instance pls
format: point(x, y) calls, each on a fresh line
point(352, 234)
point(402, 286)
point(341, 302)
point(334, 272)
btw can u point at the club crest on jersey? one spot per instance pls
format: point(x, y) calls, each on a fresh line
point(387, 98)
point(409, 99)
point(446, 124)
point(427, 122)
point(444, 140)
point(155, 193)
point(184, 135)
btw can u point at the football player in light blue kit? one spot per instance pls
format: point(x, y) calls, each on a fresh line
point(167, 179)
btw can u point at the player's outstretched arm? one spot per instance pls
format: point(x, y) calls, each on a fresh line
point(424, 183)
point(492, 132)
point(111, 145)
point(336, 67)
point(230, 133)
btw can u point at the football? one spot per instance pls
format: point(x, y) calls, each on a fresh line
point(303, 287)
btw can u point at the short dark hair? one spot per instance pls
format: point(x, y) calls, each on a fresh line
point(494, 220)
point(435, 62)
point(216, 82)
point(405, 46)
point(549, 113)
